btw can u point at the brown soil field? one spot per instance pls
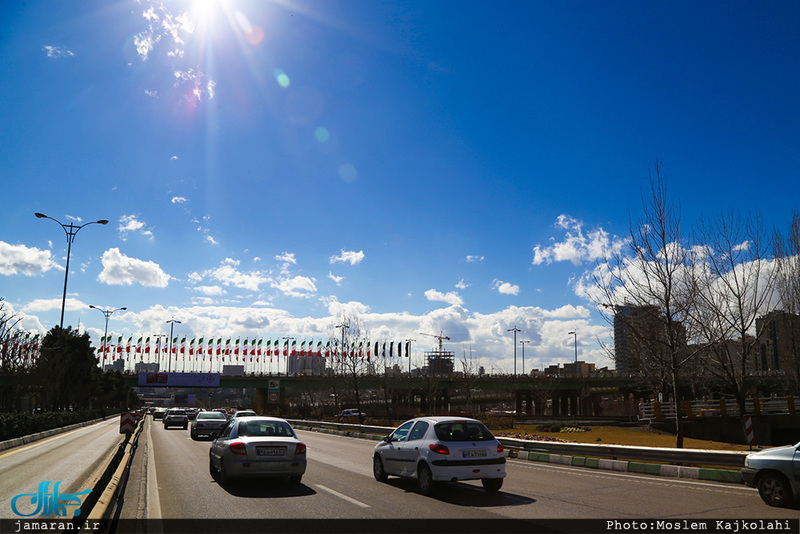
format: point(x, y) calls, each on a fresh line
point(613, 435)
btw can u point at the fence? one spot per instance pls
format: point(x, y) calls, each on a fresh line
point(719, 407)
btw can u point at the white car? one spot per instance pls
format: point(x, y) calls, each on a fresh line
point(438, 449)
point(776, 474)
point(257, 447)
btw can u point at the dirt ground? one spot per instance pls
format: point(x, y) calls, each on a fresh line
point(612, 435)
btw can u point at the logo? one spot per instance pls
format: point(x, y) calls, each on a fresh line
point(47, 502)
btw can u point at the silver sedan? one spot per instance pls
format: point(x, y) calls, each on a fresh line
point(257, 447)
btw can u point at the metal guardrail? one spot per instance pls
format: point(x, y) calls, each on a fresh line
point(614, 452)
point(719, 407)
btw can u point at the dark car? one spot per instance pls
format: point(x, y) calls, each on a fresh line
point(208, 424)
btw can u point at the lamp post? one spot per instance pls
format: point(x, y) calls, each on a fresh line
point(575, 333)
point(515, 330)
point(71, 230)
point(408, 345)
point(171, 324)
point(107, 313)
point(522, 342)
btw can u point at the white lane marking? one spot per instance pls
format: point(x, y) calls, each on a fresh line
point(341, 496)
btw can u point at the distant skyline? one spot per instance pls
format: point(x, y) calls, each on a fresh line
point(426, 166)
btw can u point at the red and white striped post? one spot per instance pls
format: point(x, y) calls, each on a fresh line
point(748, 430)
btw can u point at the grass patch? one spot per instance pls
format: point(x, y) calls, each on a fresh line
point(613, 435)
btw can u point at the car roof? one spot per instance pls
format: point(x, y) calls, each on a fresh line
point(445, 418)
point(265, 418)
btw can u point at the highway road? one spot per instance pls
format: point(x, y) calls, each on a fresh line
point(338, 484)
point(74, 458)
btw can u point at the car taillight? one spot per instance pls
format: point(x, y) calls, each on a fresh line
point(300, 449)
point(438, 448)
point(499, 447)
point(237, 447)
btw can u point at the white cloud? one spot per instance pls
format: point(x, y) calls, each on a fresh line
point(130, 224)
point(336, 279)
point(462, 284)
point(348, 256)
point(213, 291)
point(229, 275)
point(119, 269)
point(474, 259)
point(57, 51)
point(287, 257)
point(299, 286)
point(451, 298)
point(179, 200)
point(577, 247)
point(506, 288)
point(19, 259)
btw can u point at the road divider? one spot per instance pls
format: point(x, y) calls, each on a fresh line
point(717, 466)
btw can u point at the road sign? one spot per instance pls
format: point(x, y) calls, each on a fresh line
point(273, 397)
point(274, 384)
point(127, 422)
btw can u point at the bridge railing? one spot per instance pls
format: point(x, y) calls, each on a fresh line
point(613, 452)
point(719, 407)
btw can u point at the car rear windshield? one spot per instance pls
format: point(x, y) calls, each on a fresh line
point(265, 428)
point(211, 415)
point(177, 412)
point(462, 431)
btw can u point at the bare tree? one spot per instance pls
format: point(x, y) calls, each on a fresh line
point(734, 282)
point(347, 336)
point(645, 285)
point(470, 378)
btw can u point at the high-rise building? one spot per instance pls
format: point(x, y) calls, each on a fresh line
point(778, 342)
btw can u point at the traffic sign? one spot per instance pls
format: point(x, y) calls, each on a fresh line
point(273, 397)
point(127, 422)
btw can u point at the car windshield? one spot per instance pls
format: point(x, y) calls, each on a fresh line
point(265, 428)
point(462, 431)
point(177, 412)
point(210, 415)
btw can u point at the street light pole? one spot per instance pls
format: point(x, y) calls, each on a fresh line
point(107, 313)
point(575, 333)
point(171, 324)
point(515, 330)
point(71, 230)
point(522, 342)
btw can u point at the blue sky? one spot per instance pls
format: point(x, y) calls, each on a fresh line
point(426, 166)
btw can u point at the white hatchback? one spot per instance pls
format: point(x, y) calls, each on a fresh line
point(438, 449)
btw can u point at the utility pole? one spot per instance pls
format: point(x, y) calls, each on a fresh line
point(522, 342)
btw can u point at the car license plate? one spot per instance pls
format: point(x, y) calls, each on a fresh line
point(270, 451)
point(474, 454)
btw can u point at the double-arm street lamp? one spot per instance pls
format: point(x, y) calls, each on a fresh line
point(71, 230)
point(515, 330)
point(107, 313)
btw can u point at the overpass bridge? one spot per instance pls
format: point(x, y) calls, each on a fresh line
point(531, 396)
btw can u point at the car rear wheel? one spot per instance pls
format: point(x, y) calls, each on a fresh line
point(425, 483)
point(492, 485)
point(774, 489)
point(377, 469)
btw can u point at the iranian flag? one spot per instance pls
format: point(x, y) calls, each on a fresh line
point(236, 348)
point(368, 350)
point(303, 348)
point(269, 347)
point(219, 346)
point(200, 349)
point(258, 349)
point(328, 349)
point(183, 345)
point(319, 349)
point(147, 345)
point(294, 347)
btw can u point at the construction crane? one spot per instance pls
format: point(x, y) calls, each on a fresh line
point(440, 337)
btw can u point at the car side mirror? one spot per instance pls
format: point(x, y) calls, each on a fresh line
point(387, 438)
